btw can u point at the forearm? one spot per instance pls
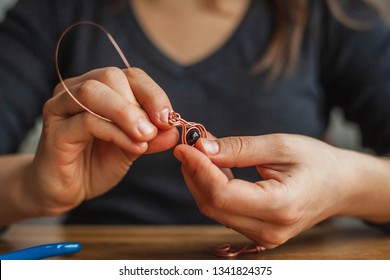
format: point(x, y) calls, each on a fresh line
point(12, 182)
point(367, 179)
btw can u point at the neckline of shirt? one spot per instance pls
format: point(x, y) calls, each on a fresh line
point(158, 58)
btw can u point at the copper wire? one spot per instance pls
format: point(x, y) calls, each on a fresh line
point(228, 250)
point(176, 120)
point(113, 42)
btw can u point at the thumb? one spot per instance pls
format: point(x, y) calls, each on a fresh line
point(244, 151)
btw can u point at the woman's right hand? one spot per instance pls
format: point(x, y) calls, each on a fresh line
point(81, 156)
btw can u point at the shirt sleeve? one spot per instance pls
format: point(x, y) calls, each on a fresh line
point(27, 43)
point(356, 72)
point(3, 230)
point(356, 75)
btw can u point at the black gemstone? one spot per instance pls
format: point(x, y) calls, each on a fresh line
point(192, 136)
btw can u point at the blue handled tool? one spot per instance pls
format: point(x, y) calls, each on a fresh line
point(43, 251)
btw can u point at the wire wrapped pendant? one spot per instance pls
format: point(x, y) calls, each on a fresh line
point(190, 132)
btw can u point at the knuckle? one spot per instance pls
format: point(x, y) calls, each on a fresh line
point(204, 209)
point(282, 141)
point(286, 211)
point(47, 121)
point(111, 74)
point(152, 89)
point(288, 216)
point(87, 89)
point(285, 146)
point(47, 108)
point(150, 85)
point(211, 204)
point(53, 211)
point(47, 128)
point(276, 237)
point(59, 203)
point(88, 120)
point(217, 200)
point(240, 148)
point(148, 93)
point(138, 72)
point(207, 211)
point(234, 147)
point(122, 111)
point(58, 89)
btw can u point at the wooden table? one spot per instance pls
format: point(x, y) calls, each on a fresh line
point(333, 240)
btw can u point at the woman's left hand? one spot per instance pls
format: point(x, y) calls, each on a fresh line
point(304, 182)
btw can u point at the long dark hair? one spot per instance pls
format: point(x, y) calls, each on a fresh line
point(291, 21)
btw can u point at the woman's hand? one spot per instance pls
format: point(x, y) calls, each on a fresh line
point(304, 182)
point(81, 156)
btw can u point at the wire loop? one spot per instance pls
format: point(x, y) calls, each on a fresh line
point(113, 42)
point(191, 131)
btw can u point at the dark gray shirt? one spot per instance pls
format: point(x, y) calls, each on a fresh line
point(337, 66)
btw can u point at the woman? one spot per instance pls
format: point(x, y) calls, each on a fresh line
point(262, 68)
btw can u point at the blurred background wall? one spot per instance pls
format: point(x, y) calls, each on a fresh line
point(341, 133)
point(4, 5)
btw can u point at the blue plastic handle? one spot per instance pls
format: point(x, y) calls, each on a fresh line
point(43, 251)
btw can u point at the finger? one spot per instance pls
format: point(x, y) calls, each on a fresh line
point(250, 150)
point(83, 127)
point(210, 186)
point(267, 171)
point(113, 77)
point(281, 173)
point(261, 232)
point(100, 99)
point(258, 239)
point(256, 230)
point(227, 171)
point(150, 96)
point(165, 139)
point(199, 168)
point(117, 80)
point(258, 209)
point(266, 234)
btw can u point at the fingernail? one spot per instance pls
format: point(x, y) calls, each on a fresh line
point(164, 115)
point(210, 146)
point(145, 127)
point(178, 155)
point(142, 145)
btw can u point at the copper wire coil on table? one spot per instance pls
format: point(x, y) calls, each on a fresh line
point(227, 250)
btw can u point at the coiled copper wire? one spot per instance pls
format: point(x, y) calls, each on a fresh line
point(188, 128)
point(228, 250)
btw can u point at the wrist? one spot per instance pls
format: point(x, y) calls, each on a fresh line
point(23, 191)
point(13, 198)
point(366, 184)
